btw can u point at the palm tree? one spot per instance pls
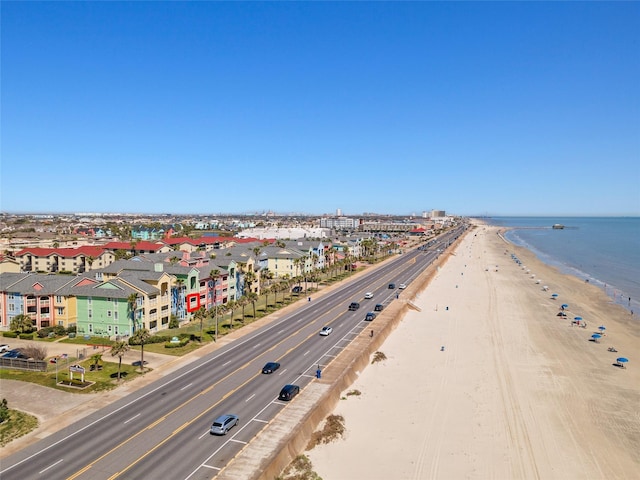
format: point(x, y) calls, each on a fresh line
point(214, 275)
point(200, 314)
point(253, 297)
point(213, 312)
point(119, 349)
point(95, 361)
point(180, 296)
point(22, 324)
point(132, 302)
point(141, 336)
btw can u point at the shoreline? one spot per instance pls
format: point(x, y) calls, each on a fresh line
point(517, 393)
point(630, 300)
point(615, 293)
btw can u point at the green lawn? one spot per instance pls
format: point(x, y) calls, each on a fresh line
point(104, 379)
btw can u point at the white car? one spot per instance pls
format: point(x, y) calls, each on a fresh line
point(4, 348)
point(326, 331)
point(402, 286)
point(368, 295)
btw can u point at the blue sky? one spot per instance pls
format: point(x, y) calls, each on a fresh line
point(505, 108)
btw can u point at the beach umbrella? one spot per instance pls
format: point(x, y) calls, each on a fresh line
point(564, 305)
point(577, 318)
point(622, 360)
point(602, 328)
point(596, 336)
point(554, 295)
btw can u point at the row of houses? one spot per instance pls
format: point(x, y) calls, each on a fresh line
point(113, 297)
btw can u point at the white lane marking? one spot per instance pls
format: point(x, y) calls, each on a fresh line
point(226, 363)
point(307, 352)
point(51, 466)
point(136, 416)
point(260, 420)
point(208, 432)
point(238, 441)
point(250, 398)
point(282, 371)
point(186, 386)
point(211, 467)
point(256, 346)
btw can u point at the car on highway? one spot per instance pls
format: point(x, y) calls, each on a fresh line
point(325, 331)
point(224, 423)
point(378, 308)
point(392, 286)
point(270, 367)
point(4, 348)
point(369, 316)
point(288, 392)
point(402, 286)
point(354, 306)
point(368, 295)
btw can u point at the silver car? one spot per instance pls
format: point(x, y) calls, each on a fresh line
point(223, 424)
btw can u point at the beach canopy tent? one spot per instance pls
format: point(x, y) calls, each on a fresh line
point(621, 361)
point(545, 288)
point(554, 295)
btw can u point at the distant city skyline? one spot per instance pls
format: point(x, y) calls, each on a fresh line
point(476, 108)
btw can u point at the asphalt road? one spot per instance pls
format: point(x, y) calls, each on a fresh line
point(162, 430)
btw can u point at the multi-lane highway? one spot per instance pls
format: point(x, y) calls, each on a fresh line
point(162, 430)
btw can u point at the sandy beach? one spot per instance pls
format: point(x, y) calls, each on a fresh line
point(517, 393)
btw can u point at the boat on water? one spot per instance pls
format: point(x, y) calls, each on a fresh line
point(557, 226)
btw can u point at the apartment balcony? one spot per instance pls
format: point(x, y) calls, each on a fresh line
point(44, 302)
point(31, 302)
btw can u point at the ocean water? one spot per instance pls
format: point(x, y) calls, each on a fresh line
point(603, 250)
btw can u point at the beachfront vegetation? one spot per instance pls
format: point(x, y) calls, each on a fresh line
point(300, 469)
point(378, 357)
point(332, 430)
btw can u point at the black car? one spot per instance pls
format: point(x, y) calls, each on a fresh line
point(370, 316)
point(392, 285)
point(354, 306)
point(288, 392)
point(378, 308)
point(297, 289)
point(270, 367)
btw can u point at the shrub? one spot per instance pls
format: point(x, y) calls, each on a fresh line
point(26, 336)
point(59, 330)
point(10, 334)
point(152, 339)
point(44, 332)
point(378, 357)
point(37, 352)
point(332, 430)
point(72, 329)
point(4, 410)
point(176, 345)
